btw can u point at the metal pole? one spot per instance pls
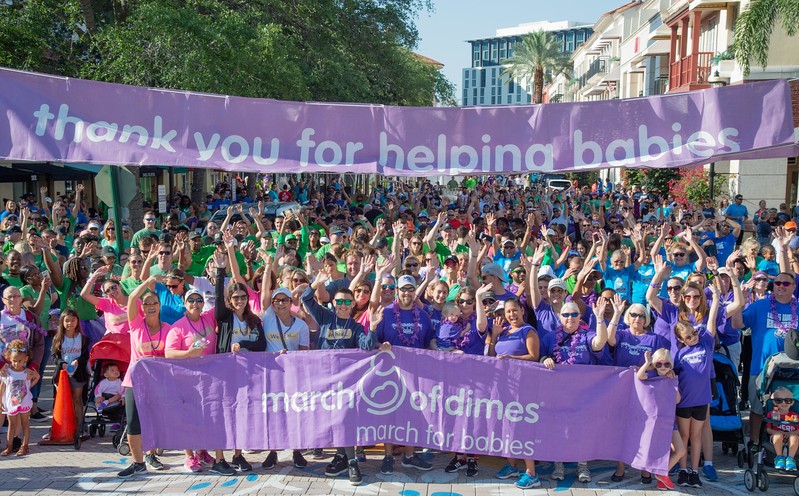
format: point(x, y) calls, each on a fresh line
point(712, 178)
point(120, 247)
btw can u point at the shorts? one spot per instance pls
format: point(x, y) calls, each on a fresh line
point(73, 384)
point(754, 399)
point(693, 412)
point(134, 427)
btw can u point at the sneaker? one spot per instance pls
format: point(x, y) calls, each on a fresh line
point(192, 464)
point(271, 460)
point(354, 473)
point(43, 411)
point(710, 473)
point(240, 463)
point(318, 454)
point(153, 462)
point(558, 472)
point(39, 417)
point(779, 463)
point(205, 459)
point(471, 467)
point(133, 469)
point(528, 481)
point(583, 474)
point(299, 460)
point(455, 464)
point(387, 467)
point(99, 407)
point(664, 482)
point(507, 471)
point(790, 464)
point(754, 448)
point(684, 478)
point(416, 462)
point(222, 468)
point(338, 466)
point(360, 455)
point(693, 480)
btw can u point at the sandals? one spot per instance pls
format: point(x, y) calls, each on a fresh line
point(23, 450)
point(7, 451)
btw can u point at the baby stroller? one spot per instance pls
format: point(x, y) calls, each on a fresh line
point(111, 349)
point(725, 417)
point(780, 371)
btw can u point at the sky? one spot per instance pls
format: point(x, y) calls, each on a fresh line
point(443, 33)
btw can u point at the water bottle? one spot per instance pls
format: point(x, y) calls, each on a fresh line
point(202, 343)
point(70, 367)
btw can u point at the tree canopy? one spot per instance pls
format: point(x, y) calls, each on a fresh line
point(755, 25)
point(322, 50)
point(537, 58)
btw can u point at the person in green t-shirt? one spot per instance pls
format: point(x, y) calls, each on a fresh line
point(109, 255)
point(150, 218)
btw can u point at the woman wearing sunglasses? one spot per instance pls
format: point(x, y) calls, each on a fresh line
point(113, 303)
point(678, 255)
point(574, 342)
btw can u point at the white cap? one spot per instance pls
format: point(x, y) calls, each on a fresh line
point(546, 271)
point(406, 281)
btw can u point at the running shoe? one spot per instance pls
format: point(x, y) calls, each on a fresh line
point(153, 462)
point(271, 460)
point(790, 464)
point(299, 460)
point(387, 467)
point(528, 481)
point(416, 462)
point(507, 471)
point(192, 464)
point(471, 467)
point(710, 473)
point(664, 482)
point(39, 417)
point(360, 455)
point(694, 481)
point(455, 464)
point(318, 454)
point(240, 463)
point(558, 472)
point(133, 469)
point(583, 474)
point(354, 473)
point(338, 466)
point(204, 458)
point(222, 468)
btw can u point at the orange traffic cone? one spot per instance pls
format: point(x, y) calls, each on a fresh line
point(63, 429)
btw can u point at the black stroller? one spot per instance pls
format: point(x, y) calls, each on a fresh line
point(725, 417)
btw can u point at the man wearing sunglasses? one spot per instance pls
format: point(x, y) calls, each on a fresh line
point(338, 331)
point(149, 228)
point(769, 319)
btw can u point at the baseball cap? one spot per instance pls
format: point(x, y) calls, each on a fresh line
point(406, 281)
point(493, 269)
point(195, 234)
point(759, 273)
point(422, 214)
point(790, 225)
point(546, 271)
point(324, 240)
point(289, 237)
point(94, 225)
point(281, 291)
point(557, 283)
point(14, 230)
point(108, 251)
point(191, 290)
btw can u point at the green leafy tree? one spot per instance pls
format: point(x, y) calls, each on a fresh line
point(656, 180)
point(537, 58)
point(755, 25)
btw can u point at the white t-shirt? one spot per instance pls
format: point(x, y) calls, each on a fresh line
point(295, 335)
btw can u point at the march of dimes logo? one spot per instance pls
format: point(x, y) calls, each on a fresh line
point(384, 391)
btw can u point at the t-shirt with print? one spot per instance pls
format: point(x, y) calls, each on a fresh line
point(240, 332)
point(142, 344)
point(404, 331)
point(619, 280)
point(10, 330)
point(630, 348)
point(580, 342)
point(693, 365)
point(108, 387)
point(186, 334)
point(116, 316)
point(767, 339)
point(682, 272)
point(295, 334)
point(70, 349)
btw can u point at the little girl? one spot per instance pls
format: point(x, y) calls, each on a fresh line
point(71, 353)
point(449, 328)
point(109, 392)
point(783, 428)
point(15, 391)
point(661, 363)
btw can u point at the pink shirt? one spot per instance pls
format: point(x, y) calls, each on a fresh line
point(142, 344)
point(185, 333)
point(116, 317)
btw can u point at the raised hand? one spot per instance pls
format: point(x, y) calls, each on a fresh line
point(376, 316)
point(661, 267)
point(599, 308)
point(228, 238)
point(618, 304)
point(220, 259)
point(712, 263)
point(482, 290)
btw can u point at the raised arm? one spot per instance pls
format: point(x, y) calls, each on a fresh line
point(714, 309)
point(601, 329)
point(482, 319)
point(664, 231)
point(700, 263)
point(613, 326)
point(86, 293)
point(135, 296)
point(535, 266)
point(662, 271)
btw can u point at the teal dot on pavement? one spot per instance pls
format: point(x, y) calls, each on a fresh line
point(409, 492)
point(231, 482)
point(252, 478)
point(199, 485)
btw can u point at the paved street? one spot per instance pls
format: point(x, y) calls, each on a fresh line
point(92, 470)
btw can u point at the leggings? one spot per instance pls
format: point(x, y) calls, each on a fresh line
point(134, 427)
point(746, 361)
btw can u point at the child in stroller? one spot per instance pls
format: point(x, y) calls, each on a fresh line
point(108, 396)
point(783, 427)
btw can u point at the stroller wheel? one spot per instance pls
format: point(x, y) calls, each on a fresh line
point(749, 480)
point(741, 458)
point(101, 430)
point(762, 481)
point(77, 440)
point(123, 448)
point(796, 486)
point(92, 430)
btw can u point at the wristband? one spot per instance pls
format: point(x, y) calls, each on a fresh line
point(536, 264)
point(654, 285)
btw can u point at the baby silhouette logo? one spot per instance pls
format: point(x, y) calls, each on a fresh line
point(382, 387)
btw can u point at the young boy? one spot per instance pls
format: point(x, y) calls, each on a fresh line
point(109, 390)
point(783, 433)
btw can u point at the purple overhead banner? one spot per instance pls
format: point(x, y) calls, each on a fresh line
point(48, 118)
point(459, 403)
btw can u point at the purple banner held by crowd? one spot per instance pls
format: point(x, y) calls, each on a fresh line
point(451, 402)
point(49, 118)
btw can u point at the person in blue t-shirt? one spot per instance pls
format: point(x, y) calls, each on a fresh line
point(738, 213)
point(619, 274)
point(727, 233)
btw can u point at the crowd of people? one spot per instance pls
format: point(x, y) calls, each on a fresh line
point(604, 274)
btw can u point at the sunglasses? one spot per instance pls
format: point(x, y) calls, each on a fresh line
point(761, 279)
point(392, 287)
point(634, 315)
point(489, 301)
point(239, 297)
point(407, 289)
point(662, 365)
point(411, 265)
point(678, 255)
point(110, 289)
point(173, 286)
point(673, 288)
point(573, 315)
point(783, 283)
point(135, 262)
point(519, 271)
point(110, 229)
point(465, 302)
point(281, 301)
point(192, 301)
point(779, 401)
point(691, 297)
point(164, 252)
point(342, 301)
point(149, 219)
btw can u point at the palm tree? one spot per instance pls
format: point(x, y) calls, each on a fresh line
point(537, 57)
point(754, 27)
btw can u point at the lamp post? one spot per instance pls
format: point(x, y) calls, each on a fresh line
point(715, 81)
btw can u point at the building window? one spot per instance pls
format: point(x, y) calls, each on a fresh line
point(482, 79)
point(510, 99)
point(510, 86)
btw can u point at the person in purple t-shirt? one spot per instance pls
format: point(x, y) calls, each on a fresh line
point(693, 364)
point(402, 323)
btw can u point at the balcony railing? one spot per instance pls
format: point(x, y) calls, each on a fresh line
point(598, 66)
point(692, 69)
point(658, 85)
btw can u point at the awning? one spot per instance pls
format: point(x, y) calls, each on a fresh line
point(90, 168)
point(22, 172)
